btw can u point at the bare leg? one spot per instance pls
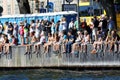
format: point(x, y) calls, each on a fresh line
point(54, 47)
point(35, 48)
point(26, 50)
point(94, 48)
point(73, 47)
point(111, 46)
point(38, 48)
point(27, 40)
point(0, 48)
point(64, 49)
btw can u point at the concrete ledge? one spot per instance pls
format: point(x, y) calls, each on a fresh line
point(17, 59)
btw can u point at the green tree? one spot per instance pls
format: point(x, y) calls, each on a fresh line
point(24, 6)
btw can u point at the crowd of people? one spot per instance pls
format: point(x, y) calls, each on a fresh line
point(72, 38)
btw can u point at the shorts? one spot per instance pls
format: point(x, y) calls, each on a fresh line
point(26, 34)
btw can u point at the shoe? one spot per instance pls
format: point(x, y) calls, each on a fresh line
point(116, 52)
point(34, 52)
point(5, 53)
point(26, 53)
point(37, 52)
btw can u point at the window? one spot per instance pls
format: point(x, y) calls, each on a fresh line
point(9, 9)
point(16, 9)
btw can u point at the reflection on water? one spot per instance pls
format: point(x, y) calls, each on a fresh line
point(43, 74)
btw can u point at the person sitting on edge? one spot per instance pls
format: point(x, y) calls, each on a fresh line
point(2, 37)
point(97, 45)
point(41, 42)
point(76, 47)
point(85, 41)
point(33, 41)
point(63, 40)
point(56, 45)
point(6, 45)
point(48, 43)
point(69, 43)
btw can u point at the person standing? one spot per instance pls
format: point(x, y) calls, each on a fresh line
point(76, 24)
point(21, 32)
point(15, 30)
point(104, 25)
point(26, 31)
point(10, 30)
point(111, 25)
point(71, 24)
point(64, 24)
point(1, 28)
point(52, 27)
point(96, 23)
point(37, 30)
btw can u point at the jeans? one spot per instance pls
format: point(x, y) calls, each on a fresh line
point(69, 47)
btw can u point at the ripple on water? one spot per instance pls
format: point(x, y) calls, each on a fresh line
point(59, 75)
point(13, 77)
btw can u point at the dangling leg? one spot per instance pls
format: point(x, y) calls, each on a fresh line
point(35, 48)
point(26, 50)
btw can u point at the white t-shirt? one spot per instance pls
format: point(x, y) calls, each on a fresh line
point(37, 29)
point(71, 25)
point(32, 28)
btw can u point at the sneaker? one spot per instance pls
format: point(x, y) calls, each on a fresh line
point(29, 52)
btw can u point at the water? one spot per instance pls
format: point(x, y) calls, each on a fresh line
point(43, 74)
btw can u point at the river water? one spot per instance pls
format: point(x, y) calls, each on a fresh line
point(49, 74)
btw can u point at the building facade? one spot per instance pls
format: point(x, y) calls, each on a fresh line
point(11, 6)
